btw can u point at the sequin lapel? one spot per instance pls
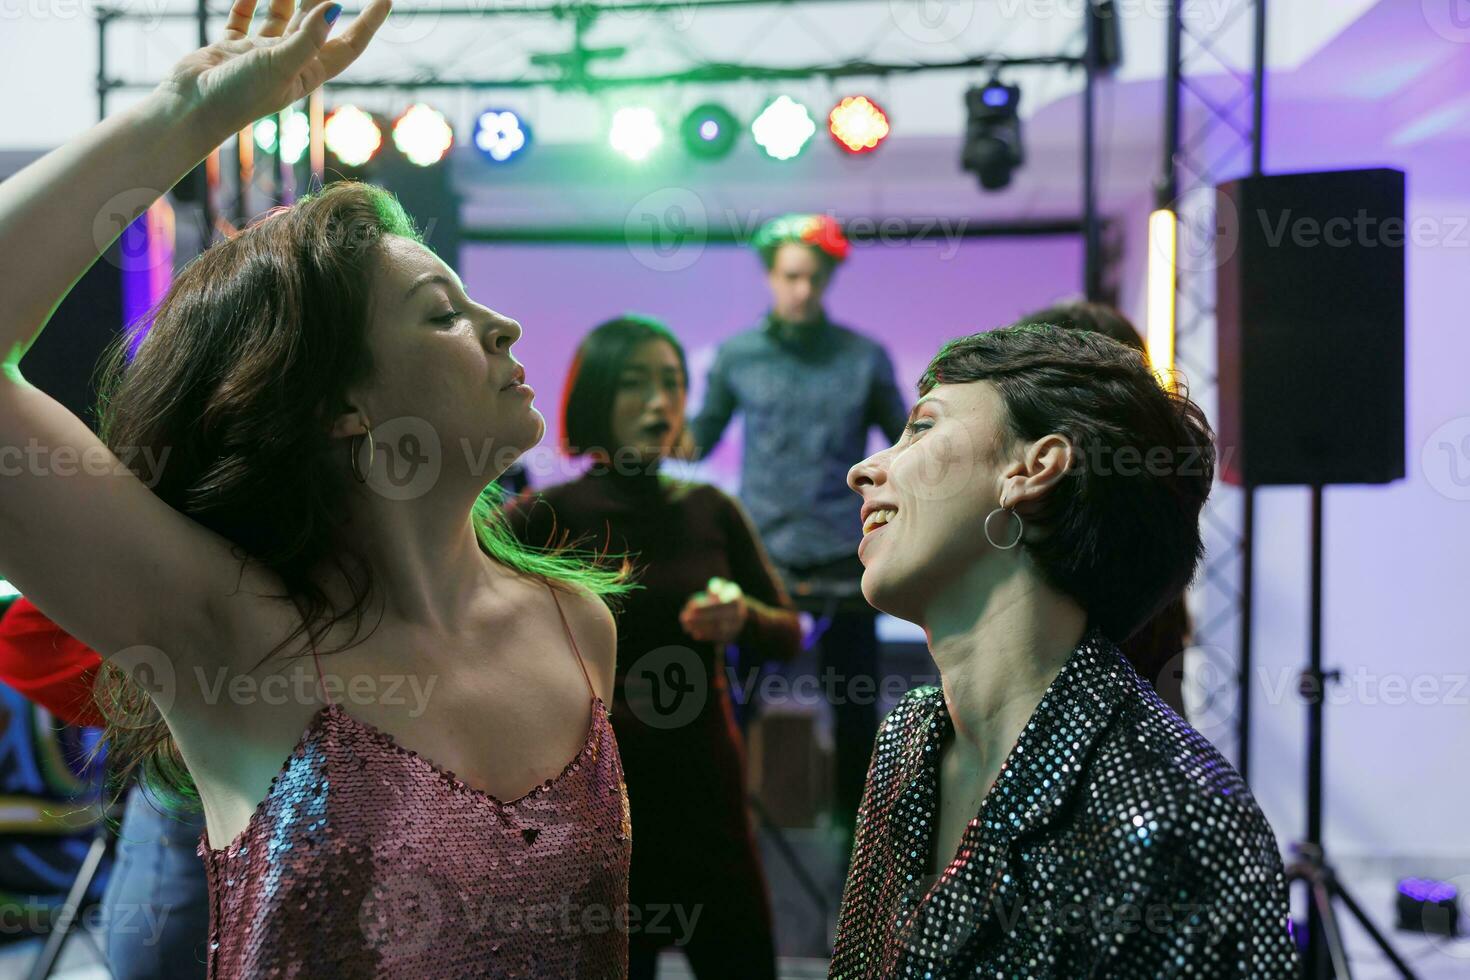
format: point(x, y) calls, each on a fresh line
point(1035, 785)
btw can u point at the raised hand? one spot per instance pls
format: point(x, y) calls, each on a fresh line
point(717, 614)
point(242, 77)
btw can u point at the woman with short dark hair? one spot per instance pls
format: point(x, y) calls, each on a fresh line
point(1041, 812)
point(704, 581)
point(1156, 648)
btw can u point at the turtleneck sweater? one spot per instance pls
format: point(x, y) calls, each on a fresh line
point(683, 756)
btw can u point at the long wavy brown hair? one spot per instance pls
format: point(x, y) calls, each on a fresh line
point(233, 391)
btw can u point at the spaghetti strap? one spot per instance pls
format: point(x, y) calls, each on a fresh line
point(321, 681)
point(572, 640)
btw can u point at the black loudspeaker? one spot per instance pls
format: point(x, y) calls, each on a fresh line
point(1310, 313)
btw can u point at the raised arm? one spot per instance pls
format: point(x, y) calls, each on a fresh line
point(705, 430)
point(886, 407)
point(80, 534)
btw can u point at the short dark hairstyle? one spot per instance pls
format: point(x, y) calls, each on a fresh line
point(1155, 646)
point(1097, 317)
point(1121, 534)
point(592, 380)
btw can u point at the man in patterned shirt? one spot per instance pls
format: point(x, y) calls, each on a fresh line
point(809, 391)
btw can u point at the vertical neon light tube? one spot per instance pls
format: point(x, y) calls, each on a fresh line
point(318, 144)
point(147, 268)
point(1163, 244)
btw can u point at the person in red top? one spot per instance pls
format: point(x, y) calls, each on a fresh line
point(40, 661)
point(155, 908)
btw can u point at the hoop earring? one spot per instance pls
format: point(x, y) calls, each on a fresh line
point(1020, 527)
point(356, 446)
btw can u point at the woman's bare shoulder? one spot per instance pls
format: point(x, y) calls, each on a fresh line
point(594, 628)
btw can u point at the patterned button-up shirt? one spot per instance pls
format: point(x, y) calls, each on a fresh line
point(1115, 843)
point(809, 394)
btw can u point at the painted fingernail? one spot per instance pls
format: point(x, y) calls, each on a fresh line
point(332, 13)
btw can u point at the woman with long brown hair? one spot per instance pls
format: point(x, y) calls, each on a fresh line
point(301, 426)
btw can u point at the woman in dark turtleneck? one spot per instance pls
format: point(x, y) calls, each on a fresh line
point(696, 879)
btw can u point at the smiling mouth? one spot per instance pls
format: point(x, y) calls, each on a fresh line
point(879, 518)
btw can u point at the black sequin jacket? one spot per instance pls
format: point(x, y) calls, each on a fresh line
point(1115, 843)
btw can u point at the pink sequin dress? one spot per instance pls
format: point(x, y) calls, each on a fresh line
point(367, 860)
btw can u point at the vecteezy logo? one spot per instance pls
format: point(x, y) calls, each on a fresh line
point(404, 914)
point(114, 219)
point(932, 21)
point(947, 466)
point(666, 231)
point(1445, 459)
point(1208, 231)
point(1435, 918)
point(151, 672)
point(667, 687)
point(1450, 19)
point(939, 927)
point(410, 455)
point(1210, 690)
point(421, 22)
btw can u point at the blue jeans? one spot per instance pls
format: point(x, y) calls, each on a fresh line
point(156, 905)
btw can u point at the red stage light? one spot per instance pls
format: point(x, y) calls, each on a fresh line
point(857, 124)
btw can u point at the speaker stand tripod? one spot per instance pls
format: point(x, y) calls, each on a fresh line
point(1324, 939)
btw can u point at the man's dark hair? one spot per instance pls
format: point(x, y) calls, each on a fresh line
point(1121, 532)
point(1097, 317)
point(592, 380)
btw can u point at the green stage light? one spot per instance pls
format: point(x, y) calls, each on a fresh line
point(265, 134)
point(635, 132)
point(295, 135)
point(292, 135)
point(709, 131)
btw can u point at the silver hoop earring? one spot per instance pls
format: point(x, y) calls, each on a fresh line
point(357, 473)
point(1020, 527)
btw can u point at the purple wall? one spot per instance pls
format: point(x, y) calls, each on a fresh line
point(1396, 558)
point(911, 296)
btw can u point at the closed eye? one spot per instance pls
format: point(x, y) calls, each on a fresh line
point(449, 317)
point(917, 426)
